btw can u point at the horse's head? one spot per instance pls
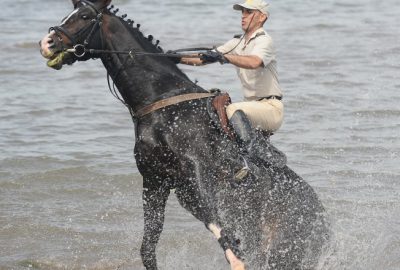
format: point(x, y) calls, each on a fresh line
point(66, 43)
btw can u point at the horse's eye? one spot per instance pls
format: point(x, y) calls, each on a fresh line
point(85, 17)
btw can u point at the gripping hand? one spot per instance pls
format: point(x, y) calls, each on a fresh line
point(212, 57)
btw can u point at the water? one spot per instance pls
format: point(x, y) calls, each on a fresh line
point(70, 190)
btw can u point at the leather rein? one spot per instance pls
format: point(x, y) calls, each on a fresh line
point(80, 50)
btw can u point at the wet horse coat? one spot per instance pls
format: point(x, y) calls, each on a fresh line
point(272, 219)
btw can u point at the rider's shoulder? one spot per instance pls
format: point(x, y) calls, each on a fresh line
point(238, 36)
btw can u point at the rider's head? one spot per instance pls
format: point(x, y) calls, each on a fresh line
point(254, 14)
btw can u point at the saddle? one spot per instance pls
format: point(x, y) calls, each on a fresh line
point(216, 107)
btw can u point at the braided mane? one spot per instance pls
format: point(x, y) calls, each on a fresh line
point(145, 41)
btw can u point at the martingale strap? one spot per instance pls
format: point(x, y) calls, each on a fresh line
point(170, 101)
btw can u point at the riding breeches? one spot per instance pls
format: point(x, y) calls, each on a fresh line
point(266, 114)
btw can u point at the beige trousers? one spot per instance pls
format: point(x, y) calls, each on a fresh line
point(266, 114)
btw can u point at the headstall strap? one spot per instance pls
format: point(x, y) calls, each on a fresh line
point(170, 101)
point(93, 24)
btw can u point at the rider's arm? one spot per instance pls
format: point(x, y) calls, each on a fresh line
point(245, 61)
point(192, 61)
point(223, 49)
point(260, 56)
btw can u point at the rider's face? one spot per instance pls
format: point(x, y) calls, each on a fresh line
point(251, 19)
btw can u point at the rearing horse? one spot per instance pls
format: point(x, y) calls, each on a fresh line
point(272, 219)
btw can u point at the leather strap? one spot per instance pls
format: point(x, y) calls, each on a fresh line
point(170, 101)
point(220, 103)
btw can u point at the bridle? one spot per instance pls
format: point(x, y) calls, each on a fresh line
point(80, 49)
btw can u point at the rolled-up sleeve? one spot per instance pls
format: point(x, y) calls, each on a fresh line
point(264, 49)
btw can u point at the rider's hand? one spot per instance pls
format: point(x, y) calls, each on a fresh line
point(212, 57)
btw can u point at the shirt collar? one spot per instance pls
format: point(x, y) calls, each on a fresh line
point(256, 34)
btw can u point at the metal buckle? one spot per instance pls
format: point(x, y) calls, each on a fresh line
point(243, 172)
point(79, 50)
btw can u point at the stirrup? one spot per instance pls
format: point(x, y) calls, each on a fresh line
point(243, 172)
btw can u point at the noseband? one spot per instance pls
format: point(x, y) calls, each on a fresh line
point(80, 49)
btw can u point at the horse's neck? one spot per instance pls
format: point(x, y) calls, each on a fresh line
point(141, 80)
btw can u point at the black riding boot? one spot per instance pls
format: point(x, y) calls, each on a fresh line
point(254, 144)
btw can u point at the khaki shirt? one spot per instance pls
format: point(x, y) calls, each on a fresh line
point(263, 81)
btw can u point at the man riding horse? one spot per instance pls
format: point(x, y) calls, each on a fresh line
point(272, 219)
point(253, 55)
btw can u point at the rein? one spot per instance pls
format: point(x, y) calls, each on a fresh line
point(80, 50)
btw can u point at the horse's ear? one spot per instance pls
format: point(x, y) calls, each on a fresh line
point(106, 3)
point(101, 3)
point(75, 2)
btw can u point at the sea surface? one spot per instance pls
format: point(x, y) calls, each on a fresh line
point(70, 192)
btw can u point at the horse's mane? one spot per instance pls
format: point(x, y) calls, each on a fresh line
point(167, 65)
point(146, 42)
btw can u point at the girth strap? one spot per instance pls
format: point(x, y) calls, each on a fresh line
point(170, 101)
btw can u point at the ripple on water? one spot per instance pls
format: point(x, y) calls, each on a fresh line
point(378, 114)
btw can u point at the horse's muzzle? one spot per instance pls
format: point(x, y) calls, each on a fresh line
point(47, 46)
point(50, 48)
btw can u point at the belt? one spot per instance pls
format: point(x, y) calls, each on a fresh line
point(271, 97)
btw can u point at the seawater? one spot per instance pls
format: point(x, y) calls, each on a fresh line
point(70, 192)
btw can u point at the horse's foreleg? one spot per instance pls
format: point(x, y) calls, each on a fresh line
point(235, 262)
point(154, 201)
point(189, 199)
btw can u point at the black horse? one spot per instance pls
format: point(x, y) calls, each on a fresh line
point(271, 219)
